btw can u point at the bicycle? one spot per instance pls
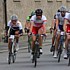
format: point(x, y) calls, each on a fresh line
point(60, 46)
point(68, 51)
point(12, 52)
point(36, 53)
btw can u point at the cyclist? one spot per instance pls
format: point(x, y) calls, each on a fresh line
point(53, 27)
point(59, 26)
point(38, 26)
point(27, 24)
point(15, 28)
point(67, 31)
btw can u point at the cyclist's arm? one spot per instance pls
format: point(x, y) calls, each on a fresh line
point(44, 25)
point(64, 26)
point(21, 30)
point(57, 23)
point(7, 28)
point(53, 23)
point(32, 23)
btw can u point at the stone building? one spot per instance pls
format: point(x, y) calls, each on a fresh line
point(23, 8)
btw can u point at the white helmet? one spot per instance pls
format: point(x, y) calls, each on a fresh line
point(14, 17)
point(63, 8)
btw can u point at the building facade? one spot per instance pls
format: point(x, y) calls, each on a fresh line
point(23, 8)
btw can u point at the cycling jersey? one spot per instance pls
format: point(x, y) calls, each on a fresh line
point(61, 21)
point(68, 24)
point(13, 28)
point(28, 18)
point(38, 23)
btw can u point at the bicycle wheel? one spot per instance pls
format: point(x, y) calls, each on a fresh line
point(59, 53)
point(29, 47)
point(9, 59)
point(35, 55)
point(29, 44)
point(59, 56)
point(13, 59)
point(69, 61)
point(10, 54)
point(13, 53)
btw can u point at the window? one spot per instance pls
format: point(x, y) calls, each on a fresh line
point(59, 0)
point(49, 0)
point(37, 0)
point(16, 0)
point(68, 0)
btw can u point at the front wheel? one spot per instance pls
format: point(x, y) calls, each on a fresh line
point(59, 55)
point(69, 61)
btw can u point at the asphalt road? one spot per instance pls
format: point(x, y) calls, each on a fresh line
point(23, 60)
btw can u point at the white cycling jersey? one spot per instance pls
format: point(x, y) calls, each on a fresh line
point(18, 24)
point(67, 17)
point(38, 22)
point(60, 18)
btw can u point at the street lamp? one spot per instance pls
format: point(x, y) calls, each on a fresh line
point(5, 15)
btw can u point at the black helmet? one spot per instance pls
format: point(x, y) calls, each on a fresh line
point(38, 12)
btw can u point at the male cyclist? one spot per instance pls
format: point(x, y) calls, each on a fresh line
point(15, 28)
point(59, 26)
point(53, 27)
point(38, 26)
point(67, 31)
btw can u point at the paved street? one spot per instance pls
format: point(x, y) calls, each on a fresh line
point(23, 61)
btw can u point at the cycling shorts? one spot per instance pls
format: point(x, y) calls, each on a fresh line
point(35, 29)
point(68, 28)
point(60, 28)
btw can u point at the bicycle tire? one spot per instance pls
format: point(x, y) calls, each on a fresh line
point(59, 52)
point(35, 55)
point(10, 54)
point(29, 48)
point(59, 56)
point(9, 59)
point(13, 59)
point(69, 61)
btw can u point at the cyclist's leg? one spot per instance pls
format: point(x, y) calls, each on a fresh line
point(40, 31)
point(17, 40)
point(53, 40)
point(9, 42)
point(34, 31)
point(56, 44)
point(66, 45)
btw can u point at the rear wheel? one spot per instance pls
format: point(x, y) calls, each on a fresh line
point(69, 61)
point(59, 55)
point(9, 59)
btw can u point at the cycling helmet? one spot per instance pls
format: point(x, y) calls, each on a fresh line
point(38, 12)
point(63, 8)
point(32, 13)
point(14, 17)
